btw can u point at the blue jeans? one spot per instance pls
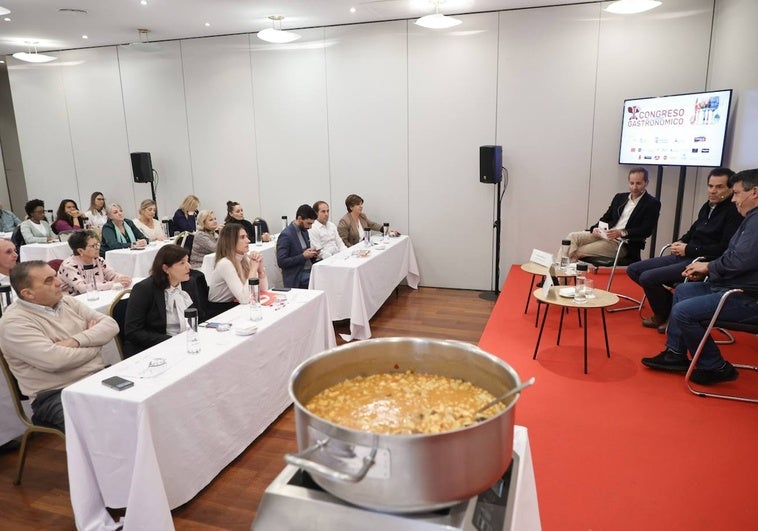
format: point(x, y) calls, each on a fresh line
point(652, 274)
point(694, 304)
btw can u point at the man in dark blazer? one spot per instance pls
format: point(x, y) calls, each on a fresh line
point(632, 216)
point(294, 253)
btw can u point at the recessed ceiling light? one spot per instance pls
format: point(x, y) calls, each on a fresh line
point(632, 7)
point(85, 37)
point(207, 24)
point(143, 2)
point(352, 10)
point(4, 11)
point(7, 19)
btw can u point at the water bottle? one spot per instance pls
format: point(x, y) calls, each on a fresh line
point(5, 298)
point(193, 341)
point(284, 222)
point(564, 258)
point(386, 232)
point(257, 231)
point(580, 296)
point(367, 237)
point(89, 273)
point(256, 313)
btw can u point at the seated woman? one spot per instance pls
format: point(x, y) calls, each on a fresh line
point(86, 247)
point(235, 214)
point(146, 222)
point(234, 266)
point(206, 238)
point(36, 229)
point(353, 225)
point(97, 214)
point(184, 217)
point(155, 310)
point(120, 233)
point(68, 217)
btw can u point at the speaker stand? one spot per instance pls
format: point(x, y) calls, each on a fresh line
point(493, 295)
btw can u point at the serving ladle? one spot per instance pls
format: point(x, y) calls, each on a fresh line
point(510, 393)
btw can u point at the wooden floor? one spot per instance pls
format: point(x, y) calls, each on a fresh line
point(230, 501)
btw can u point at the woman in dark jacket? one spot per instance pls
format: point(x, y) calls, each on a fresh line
point(120, 233)
point(155, 310)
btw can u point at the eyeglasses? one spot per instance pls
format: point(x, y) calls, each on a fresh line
point(93, 246)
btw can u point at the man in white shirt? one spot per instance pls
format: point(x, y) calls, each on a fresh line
point(323, 233)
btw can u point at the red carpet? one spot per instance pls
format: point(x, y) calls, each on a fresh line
point(625, 447)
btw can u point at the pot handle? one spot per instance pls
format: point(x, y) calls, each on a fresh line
point(300, 460)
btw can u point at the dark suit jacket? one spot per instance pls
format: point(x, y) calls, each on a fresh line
point(289, 254)
point(145, 323)
point(641, 223)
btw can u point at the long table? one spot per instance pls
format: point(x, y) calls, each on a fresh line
point(154, 446)
point(134, 262)
point(267, 249)
point(44, 251)
point(357, 286)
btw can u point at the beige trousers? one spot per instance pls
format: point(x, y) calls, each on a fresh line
point(585, 244)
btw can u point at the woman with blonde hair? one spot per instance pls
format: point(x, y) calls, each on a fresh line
point(184, 217)
point(120, 233)
point(206, 238)
point(234, 266)
point(146, 222)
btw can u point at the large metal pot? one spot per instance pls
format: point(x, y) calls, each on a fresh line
point(403, 473)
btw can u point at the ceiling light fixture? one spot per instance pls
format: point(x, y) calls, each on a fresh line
point(4, 11)
point(144, 45)
point(277, 36)
point(437, 20)
point(631, 7)
point(33, 57)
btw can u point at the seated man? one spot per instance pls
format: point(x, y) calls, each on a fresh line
point(8, 220)
point(695, 302)
point(294, 253)
point(708, 237)
point(323, 233)
point(50, 340)
point(8, 259)
point(632, 216)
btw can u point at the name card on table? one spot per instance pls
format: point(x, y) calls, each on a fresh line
point(541, 257)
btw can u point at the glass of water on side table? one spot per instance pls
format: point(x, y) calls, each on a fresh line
point(589, 288)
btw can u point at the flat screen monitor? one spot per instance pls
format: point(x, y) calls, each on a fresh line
point(678, 130)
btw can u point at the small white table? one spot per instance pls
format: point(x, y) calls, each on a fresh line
point(154, 446)
point(357, 286)
point(134, 262)
point(267, 249)
point(45, 251)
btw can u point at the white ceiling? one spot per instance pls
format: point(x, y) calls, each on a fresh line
point(109, 22)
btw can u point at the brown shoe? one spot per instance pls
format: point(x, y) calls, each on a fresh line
point(653, 322)
point(662, 328)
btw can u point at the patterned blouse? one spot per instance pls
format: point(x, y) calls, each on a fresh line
point(75, 279)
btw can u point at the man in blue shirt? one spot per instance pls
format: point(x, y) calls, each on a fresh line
point(695, 302)
point(8, 220)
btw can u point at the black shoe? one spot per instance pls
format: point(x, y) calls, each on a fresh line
point(654, 321)
point(668, 361)
point(727, 373)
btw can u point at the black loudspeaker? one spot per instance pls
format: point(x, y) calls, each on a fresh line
point(142, 167)
point(490, 164)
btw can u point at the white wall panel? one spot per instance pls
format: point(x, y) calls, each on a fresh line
point(219, 92)
point(289, 88)
point(156, 121)
point(545, 114)
point(452, 80)
point(367, 90)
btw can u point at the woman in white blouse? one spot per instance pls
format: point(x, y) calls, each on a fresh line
point(36, 229)
point(146, 222)
point(97, 216)
point(76, 280)
point(234, 266)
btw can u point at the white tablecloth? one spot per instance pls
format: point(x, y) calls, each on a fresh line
point(154, 446)
point(45, 251)
point(134, 262)
point(358, 286)
point(267, 249)
point(10, 425)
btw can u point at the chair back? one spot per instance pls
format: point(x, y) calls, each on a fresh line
point(17, 397)
point(64, 235)
point(55, 264)
point(117, 311)
point(187, 243)
point(180, 238)
point(18, 240)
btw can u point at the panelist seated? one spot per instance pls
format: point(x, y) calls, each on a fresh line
point(146, 222)
point(708, 237)
point(155, 310)
point(120, 233)
point(68, 217)
point(354, 224)
point(631, 215)
point(206, 238)
point(236, 214)
point(36, 229)
point(76, 280)
point(294, 253)
point(235, 264)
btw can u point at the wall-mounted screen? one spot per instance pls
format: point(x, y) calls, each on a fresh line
point(678, 130)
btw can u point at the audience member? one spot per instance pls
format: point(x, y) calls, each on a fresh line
point(8, 220)
point(184, 217)
point(36, 229)
point(8, 260)
point(354, 224)
point(120, 233)
point(708, 237)
point(146, 222)
point(294, 253)
point(695, 302)
point(632, 216)
point(323, 233)
point(206, 238)
point(76, 280)
point(50, 340)
point(235, 264)
point(155, 310)
point(97, 215)
point(68, 217)
point(235, 214)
